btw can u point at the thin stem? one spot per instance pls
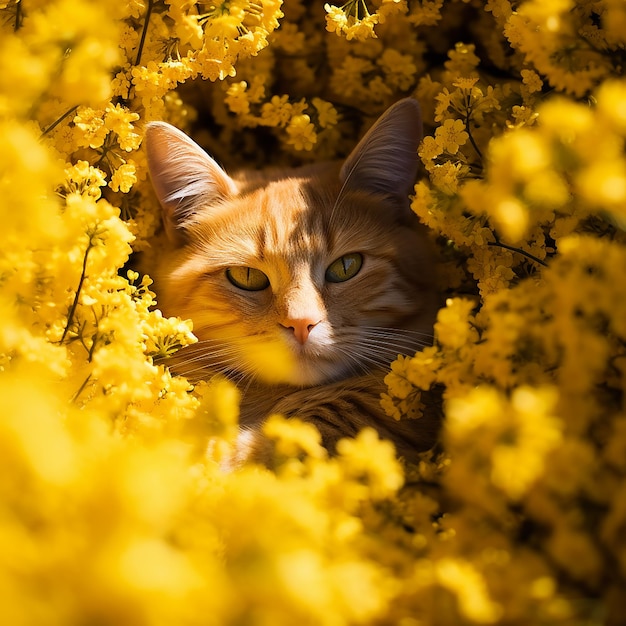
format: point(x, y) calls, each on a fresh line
point(18, 16)
point(142, 41)
point(94, 341)
point(57, 122)
point(144, 32)
point(72, 311)
point(81, 388)
point(471, 138)
point(528, 255)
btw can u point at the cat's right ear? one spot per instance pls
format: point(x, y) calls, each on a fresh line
point(385, 161)
point(185, 178)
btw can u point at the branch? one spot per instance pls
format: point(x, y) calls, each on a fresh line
point(528, 255)
point(57, 122)
point(83, 275)
point(144, 32)
point(19, 17)
point(471, 138)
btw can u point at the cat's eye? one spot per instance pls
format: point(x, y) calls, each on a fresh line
point(344, 268)
point(247, 278)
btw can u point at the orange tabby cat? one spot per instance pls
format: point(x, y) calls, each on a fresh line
point(302, 284)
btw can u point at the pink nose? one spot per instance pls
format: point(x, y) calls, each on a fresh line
point(301, 328)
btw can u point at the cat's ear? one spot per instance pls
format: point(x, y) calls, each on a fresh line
point(185, 178)
point(385, 160)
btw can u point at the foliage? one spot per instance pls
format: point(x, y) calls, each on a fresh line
point(114, 507)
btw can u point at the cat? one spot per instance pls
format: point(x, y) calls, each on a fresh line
point(303, 284)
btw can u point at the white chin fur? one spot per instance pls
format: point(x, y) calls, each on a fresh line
point(284, 361)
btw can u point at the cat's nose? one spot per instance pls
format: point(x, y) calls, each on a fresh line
point(301, 328)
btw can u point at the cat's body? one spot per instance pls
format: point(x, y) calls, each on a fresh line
point(304, 284)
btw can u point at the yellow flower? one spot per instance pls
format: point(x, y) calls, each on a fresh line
point(290, 39)
point(362, 29)
point(603, 184)
point(301, 132)
point(447, 176)
point(516, 438)
point(471, 591)
point(277, 112)
point(611, 98)
point(453, 327)
point(429, 149)
point(399, 68)
point(83, 178)
point(123, 178)
point(368, 459)
point(120, 121)
point(352, 23)
point(117, 487)
point(336, 19)
point(327, 114)
point(293, 438)
point(462, 60)
point(532, 80)
point(237, 99)
point(92, 126)
point(451, 135)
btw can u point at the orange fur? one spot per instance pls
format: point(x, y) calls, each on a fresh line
point(305, 342)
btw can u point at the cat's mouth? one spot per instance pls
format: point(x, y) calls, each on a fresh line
point(276, 360)
point(315, 361)
point(285, 361)
point(314, 369)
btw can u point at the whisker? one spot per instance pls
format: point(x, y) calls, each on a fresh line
point(396, 331)
point(392, 337)
point(375, 354)
point(396, 346)
point(355, 365)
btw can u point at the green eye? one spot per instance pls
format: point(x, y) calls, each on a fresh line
point(247, 278)
point(344, 268)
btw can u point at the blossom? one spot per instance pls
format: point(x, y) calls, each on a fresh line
point(301, 132)
point(453, 327)
point(327, 114)
point(123, 178)
point(399, 68)
point(349, 21)
point(532, 80)
point(336, 19)
point(451, 135)
point(83, 178)
point(277, 110)
point(237, 99)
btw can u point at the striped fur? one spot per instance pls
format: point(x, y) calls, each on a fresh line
point(303, 346)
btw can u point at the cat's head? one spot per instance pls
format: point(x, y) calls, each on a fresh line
point(298, 276)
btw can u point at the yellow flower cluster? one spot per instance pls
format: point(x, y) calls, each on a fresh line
point(114, 504)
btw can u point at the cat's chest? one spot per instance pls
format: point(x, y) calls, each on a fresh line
point(258, 401)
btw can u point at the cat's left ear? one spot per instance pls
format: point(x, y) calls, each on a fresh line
point(385, 161)
point(185, 178)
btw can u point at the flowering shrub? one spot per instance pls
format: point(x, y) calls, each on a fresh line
point(113, 506)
